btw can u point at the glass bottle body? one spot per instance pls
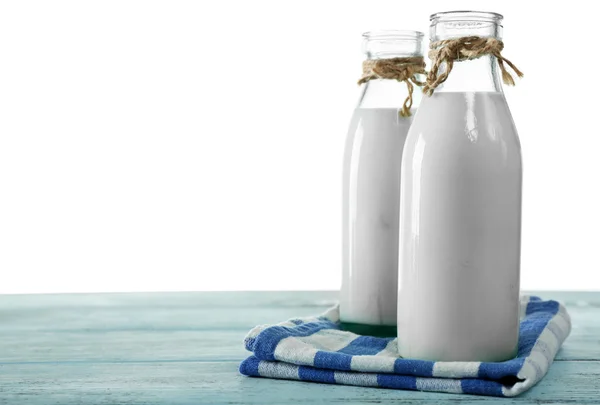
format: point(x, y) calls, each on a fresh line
point(371, 188)
point(460, 215)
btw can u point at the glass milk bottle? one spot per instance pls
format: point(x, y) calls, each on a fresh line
point(371, 181)
point(460, 215)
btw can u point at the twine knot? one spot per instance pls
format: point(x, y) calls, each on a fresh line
point(400, 69)
point(450, 50)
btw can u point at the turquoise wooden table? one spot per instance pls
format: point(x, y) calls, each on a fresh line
point(184, 348)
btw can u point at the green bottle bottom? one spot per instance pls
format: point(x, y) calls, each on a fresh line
point(369, 330)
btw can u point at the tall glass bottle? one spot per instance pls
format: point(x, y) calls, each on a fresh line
point(460, 216)
point(371, 191)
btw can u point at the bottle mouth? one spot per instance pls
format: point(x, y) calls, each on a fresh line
point(393, 35)
point(386, 44)
point(466, 16)
point(456, 24)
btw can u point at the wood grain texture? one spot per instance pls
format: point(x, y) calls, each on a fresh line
point(171, 348)
point(219, 383)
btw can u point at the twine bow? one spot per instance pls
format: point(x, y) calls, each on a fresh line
point(450, 50)
point(401, 69)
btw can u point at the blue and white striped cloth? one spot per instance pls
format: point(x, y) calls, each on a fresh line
point(315, 349)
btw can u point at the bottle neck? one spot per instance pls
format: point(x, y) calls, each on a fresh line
point(476, 75)
point(387, 93)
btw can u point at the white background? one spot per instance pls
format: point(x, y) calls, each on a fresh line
point(192, 145)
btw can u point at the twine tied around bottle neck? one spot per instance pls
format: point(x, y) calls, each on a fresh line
point(401, 69)
point(458, 49)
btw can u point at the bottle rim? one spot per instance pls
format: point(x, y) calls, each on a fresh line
point(477, 16)
point(393, 35)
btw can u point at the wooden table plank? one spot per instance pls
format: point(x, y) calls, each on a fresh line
point(190, 326)
point(180, 345)
point(140, 327)
point(220, 383)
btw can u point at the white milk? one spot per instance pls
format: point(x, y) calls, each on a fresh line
point(371, 192)
point(460, 222)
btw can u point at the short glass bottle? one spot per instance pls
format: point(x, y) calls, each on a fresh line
point(371, 191)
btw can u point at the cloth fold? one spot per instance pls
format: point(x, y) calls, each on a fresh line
point(315, 349)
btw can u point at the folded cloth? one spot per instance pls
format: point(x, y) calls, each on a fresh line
point(315, 349)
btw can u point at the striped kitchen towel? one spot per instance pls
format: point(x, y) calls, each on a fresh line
point(315, 349)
